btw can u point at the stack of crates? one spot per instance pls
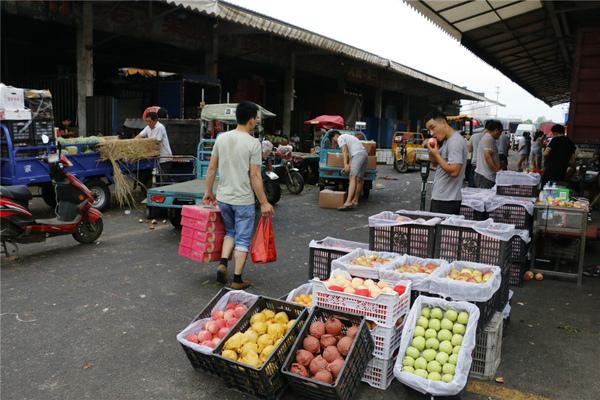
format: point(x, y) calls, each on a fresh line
point(388, 232)
point(488, 349)
point(324, 251)
point(202, 233)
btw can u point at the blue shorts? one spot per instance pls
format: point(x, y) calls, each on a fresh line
point(239, 224)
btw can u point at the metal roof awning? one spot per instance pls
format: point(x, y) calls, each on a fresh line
point(532, 42)
point(238, 15)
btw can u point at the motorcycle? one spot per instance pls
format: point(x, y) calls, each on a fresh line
point(290, 175)
point(74, 212)
point(270, 179)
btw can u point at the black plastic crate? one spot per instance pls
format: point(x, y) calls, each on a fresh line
point(513, 214)
point(503, 291)
point(518, 191)
point(42, 127)
point(200, 361)
point(265, 382)
point(455, 243)
point(344, 387)
point(517, 270)
point(415, 293)
point(472, 214)
point(412, 239)
point(319, 262)
point(21, 132)
point(518, 250)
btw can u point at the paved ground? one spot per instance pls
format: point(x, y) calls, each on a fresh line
point(100, 321)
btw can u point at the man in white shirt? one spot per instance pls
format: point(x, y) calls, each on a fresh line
point(355, 164)
point(157, 131)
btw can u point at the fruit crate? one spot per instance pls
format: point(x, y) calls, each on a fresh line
point(386, 340)
point(424, 214)
point(472, 214)
point(323, 252)
point(201, 361)
point(502, 294)
point(488, 349)
point(518, 250)
point(385, 310)
point(517, 270)
point(518, 191)
point(345, 385)
point(413, 239)
point(265, 382)
point(380, 373)
point(513, 214)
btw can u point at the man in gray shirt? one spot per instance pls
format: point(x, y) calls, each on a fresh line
point(472, 147)
point(447, 149)
point(503, 143)
point(488, 162)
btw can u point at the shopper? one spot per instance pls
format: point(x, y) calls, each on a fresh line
point(536, 150)
point(524, 151)
point(503, 143)
point(488, 161)
point(355, 164)
point(559, 154)
point(472, 147)
point(448, 150)
point(237, 154)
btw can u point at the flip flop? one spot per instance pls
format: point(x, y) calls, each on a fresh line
point(346, 208)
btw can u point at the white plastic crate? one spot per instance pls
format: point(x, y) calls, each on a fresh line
point(345, 262)
point(488, 349)
point(384, 310)
point(387, 340)
point(379, 373)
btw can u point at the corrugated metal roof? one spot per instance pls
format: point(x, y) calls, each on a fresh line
point(242, 16)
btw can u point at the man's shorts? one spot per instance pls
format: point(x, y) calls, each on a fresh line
point(358, 164)
point(239, 224)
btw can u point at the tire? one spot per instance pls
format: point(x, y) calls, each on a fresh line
point(400, 166)
point(272, 191)
point(101, 194)
point(297, 183)
point(49, 195)
point(175, 217)
point(88, 232)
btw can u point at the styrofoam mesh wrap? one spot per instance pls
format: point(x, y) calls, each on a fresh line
point(494, 202)
point(477, 193)
point(345, 263)
point(306, 288)
point(235, 296)
point(388, 218)
point(420, 281)
point(476, 204)
point(460, 290)
point(331, 243)
point(463, 366)
point(503, 232)
point(510, 178)
point(418, 213)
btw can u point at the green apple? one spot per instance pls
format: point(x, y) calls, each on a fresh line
point(429, 354)
point(408, 361)
point(437, 313)
point(425, 311)
point(420, 363)
point(458, 328)
point(448, 368)
point(435, 324)
point(412, 352)
point(446, 347)
point(430, 333)
point(456, 340)
point(447, 378)
point(418, 343)
point(453, 359)
point(451, 315)
point(441, 357)
point(434, 366)
point(423, 322)
point(419, 331)
point(447, 324)
point(432, 343)
point(463, 318)
point(408, 369)
point(434, 376)
point(456, 349)
point(444, 334)
point(421, 372)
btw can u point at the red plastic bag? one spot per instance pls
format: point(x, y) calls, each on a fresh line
point(262, 249)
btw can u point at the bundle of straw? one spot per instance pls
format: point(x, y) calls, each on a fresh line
point(127, 151)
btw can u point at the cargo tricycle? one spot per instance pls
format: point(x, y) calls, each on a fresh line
point(404, 147)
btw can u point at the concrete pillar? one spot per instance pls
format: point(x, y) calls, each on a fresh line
point(85, 63)
point(378, 111)
point(211, 61)
point(406, 112)
point(288, 96)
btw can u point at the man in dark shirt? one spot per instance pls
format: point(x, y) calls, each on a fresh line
point(558, 155)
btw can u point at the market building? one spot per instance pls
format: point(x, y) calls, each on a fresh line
point(105, 62)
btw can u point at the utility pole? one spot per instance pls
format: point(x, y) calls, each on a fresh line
point(497, 96)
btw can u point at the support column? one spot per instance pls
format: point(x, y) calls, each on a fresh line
point(378, 110)
point(406, 112)
point(85, 63)
point(288, 96)
point(211, 61)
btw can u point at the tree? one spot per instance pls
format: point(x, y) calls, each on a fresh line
point(528, 121)
point(541, 119)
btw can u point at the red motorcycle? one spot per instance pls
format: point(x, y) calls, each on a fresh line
point(74, 213)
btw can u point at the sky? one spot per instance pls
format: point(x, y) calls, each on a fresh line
point(394, 30)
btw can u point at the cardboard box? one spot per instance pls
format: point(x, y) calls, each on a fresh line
point(11, 98)
point(372, 162)
point(15, 114)
point(331, 199)
point(370, 146)
point(335, 160)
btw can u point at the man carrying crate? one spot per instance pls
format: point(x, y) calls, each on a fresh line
point(238, 156)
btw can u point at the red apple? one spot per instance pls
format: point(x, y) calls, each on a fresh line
point(222, 332)
point(228, 315)
point(209, 343)
point(230, 306)
point(192, 338)
point(528, 275)
point(217, 314)
point(239, 310)
point(216, 341)
point(539, 277)
point(400, 289)
point(203, 336)
point(212, 327)
point(336, 288)
point(221, 323)
point(363, 292)
point(231, 322)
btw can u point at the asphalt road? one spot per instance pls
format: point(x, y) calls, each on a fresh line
point(99, 321)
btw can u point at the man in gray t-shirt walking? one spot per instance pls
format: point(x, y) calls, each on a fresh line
point(488, 161)
point(451, 160)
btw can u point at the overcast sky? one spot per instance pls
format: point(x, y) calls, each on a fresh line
point(392, 29)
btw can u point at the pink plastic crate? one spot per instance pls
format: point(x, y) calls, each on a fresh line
point(206, 237)
point(202, 213)
point(214, 247)
point(196, 255)
point(202, 225)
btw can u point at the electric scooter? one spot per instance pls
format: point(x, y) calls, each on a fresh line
point(74, 213)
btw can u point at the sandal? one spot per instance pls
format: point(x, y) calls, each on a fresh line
point(346, 208)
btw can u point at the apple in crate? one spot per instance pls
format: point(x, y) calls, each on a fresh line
point(470, 275)
point(418, 268)
point(370, 261)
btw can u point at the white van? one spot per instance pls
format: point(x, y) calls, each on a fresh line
point(519, 133)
